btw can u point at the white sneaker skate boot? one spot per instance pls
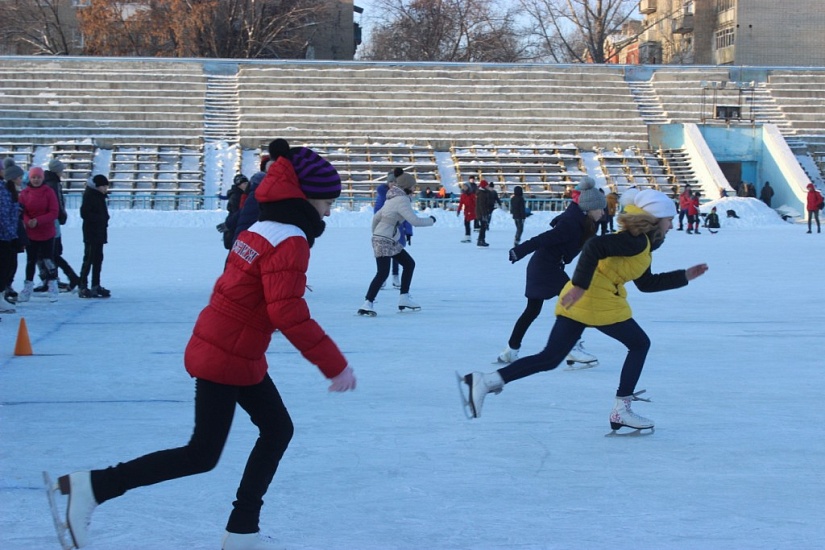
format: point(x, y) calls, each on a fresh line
point(406, 302)
point(26, 294)
point(78, 486)
point(623, 416)
point(251, 541)
point(580, 359)
point(480, 385)
point(396, 281)
point(508, 356)
point(367, 309)
point(53, 291)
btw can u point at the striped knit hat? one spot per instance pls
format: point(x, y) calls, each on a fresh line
point(317, 177)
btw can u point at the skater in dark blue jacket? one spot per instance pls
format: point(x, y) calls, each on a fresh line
point(552, 250)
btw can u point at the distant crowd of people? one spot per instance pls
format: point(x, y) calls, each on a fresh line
point(32, 212)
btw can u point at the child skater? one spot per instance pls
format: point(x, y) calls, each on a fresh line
point(552, 250)
point(596, 297)
point(260, 291)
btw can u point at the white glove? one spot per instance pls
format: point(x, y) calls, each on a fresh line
point(344, 381)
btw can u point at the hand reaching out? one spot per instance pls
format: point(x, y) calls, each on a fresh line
point(695, 271)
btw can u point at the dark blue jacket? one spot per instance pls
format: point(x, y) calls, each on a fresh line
point(249, 213)
point(552, 250)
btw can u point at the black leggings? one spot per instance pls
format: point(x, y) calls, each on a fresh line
point(383, 271)
point(214, 410)
point(42, 253)
point(564, 335)
point(531, 312)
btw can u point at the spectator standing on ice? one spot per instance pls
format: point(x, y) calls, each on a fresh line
point(53, 178)
point(519, 212)
point(484, 205)
point(95, 215)
point(40, 210)
point(467, 204)
point(813, 206)
point(260, 291)
point(684, 204)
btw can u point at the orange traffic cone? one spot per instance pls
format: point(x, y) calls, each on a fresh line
point(23, 345)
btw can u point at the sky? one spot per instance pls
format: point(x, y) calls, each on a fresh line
point(734, 374)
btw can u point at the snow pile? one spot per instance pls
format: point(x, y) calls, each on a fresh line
point(751, 212)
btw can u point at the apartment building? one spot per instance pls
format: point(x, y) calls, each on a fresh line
point(733, 32)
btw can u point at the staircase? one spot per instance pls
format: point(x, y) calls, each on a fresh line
point(765, 110)
point(648, 103)
point(221, 114)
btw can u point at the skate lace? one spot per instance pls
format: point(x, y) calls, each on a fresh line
point(635, 396)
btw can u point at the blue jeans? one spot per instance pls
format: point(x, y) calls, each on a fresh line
point(564, 335)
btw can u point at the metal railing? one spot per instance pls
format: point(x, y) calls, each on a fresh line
point(188, 202)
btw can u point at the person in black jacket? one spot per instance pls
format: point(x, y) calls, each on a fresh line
point(95, 216)
point(552, 250)
point(518, 211)
point(52, 178)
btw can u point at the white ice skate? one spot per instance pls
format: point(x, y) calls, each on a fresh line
point(26, 294)
point(622, 416)
point(478, 385)
point(53, 291)
point(396, 281)
point(73, 531)
point(466, 239)
point(251, 541)
point(579, 359)
point(367, 309)
point(406, 302)
point(507, 356)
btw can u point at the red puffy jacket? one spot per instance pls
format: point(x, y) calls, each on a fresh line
point(814, 199)
point(260, 291)
point(39, 203)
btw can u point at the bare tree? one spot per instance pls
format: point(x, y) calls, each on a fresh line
point(38, 27)
point(201, 28)
point(576, 30)
point(444, 30)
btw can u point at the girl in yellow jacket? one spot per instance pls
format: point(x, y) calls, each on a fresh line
point(596, 297)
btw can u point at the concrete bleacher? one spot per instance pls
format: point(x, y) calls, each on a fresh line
point(76, 98)
point(435, 104)
point(372, 117)
point(157, 174)
point(363, 167)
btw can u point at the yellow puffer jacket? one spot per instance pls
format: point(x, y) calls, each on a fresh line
point(605, 301)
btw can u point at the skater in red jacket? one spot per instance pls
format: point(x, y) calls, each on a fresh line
point(260, 291)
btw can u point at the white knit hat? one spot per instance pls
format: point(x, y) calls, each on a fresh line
point(655, 203)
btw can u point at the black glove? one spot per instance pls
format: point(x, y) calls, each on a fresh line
point(221, 227)
point(514, 257)
point(432, 218)
point(409, 239)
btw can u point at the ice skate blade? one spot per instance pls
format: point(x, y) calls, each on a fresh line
point(402, 309)
point(467, 407)
point(61, 529)
point(578, 365)
point(367, 313)
point(635, 432)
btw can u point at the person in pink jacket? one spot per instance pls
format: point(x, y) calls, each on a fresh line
point(40, 209)
point(260, 291)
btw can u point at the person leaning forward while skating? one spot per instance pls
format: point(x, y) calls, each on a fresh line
point(260, 291)
point(596, 297)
